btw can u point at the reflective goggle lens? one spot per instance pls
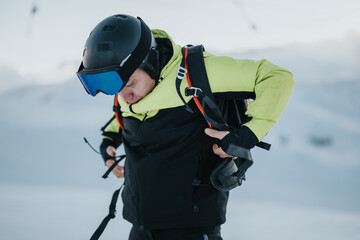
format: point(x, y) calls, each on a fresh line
point(107, 82)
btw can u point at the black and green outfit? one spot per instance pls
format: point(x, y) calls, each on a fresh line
point(166, 147)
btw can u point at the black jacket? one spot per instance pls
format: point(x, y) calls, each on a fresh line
point(166, 156)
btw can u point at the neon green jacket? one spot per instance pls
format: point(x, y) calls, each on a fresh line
point(271, 84)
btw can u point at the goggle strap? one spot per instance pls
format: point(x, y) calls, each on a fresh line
point(139, 53)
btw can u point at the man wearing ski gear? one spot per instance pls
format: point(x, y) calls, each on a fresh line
point(170, 152)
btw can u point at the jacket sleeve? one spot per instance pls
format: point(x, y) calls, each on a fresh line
point(112, 134)
point(271, 84)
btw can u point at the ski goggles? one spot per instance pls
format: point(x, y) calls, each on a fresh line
point(107, 80)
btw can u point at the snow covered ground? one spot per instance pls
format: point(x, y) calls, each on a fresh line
point(55, 212)
point(306, 187)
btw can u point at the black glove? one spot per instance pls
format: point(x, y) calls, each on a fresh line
point(103, 146)
point(242, 137)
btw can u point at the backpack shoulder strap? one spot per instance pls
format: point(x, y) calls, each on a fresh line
point(199, 88)
point(116, 109)
point(118, 116)
point(193, 65)
point(197, 75)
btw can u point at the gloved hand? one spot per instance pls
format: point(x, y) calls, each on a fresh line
point(108, 152)
point(242, 137)
point(219, 135)
point(103, 149)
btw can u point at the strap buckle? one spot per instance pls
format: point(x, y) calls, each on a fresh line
point(181, 72)
point(193, 91)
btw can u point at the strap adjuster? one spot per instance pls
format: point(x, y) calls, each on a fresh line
point(181, 72)
point(116, 109)
point(112, 213)
point(193, 91)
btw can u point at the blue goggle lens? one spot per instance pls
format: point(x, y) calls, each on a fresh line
point(107, 82)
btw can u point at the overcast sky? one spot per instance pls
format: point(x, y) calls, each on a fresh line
point(46, 47)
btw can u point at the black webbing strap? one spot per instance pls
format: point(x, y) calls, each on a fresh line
point(263, 145)
point(106, 174)
point(199, 80)
point(107, 124)
point(197, 71)
point(181, 74)
point(212, 114)
point(111, 215)
point(200, 84)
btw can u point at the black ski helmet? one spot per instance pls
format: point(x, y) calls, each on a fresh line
point(125, 41)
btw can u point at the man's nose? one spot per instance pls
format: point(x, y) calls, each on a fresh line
point(126, 95)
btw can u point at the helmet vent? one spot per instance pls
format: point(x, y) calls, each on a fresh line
point(108, 28)
point(102, 47)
